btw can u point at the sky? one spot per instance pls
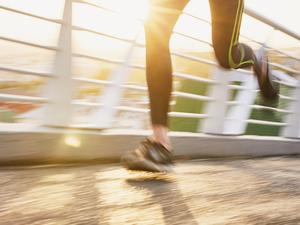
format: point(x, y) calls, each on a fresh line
point(285, 12)
point(28, 29)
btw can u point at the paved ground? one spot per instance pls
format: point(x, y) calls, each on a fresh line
point(253, 191)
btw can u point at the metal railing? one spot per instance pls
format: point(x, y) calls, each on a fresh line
point(222, 115)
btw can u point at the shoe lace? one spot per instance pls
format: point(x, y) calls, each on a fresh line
point(156, 151)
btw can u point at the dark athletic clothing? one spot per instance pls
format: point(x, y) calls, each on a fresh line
point(226, 18)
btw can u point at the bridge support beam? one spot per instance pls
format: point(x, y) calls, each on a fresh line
point(59, 89)
point(240, 111)
point(217, 108)
point(292, 129)
point(225, 119)
point(111, 98)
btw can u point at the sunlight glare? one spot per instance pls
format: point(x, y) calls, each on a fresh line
point(136, 9)
point(72, 141)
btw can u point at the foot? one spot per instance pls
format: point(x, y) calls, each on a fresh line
point(269, 89)
point(150, 156)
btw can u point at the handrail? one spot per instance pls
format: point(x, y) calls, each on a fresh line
point(249, 87)
point(32, 15)
point(27, 72)
point(271, 23)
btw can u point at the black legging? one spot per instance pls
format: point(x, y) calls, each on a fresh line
point(226, 20)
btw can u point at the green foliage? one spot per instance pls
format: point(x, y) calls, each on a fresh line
point(194, 106)
point(7, 116)
point(188, 105)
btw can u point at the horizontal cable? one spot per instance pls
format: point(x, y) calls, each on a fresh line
point(192, 58)
point(141, 110)
point(78, 28)
point(171, 114)
point(102, 59)
point(262, 122)
point(32, 15)
point(132, 109)
point(107, 60)
point(21, 98)
point(192, 38)
point(269, 22)
point(27, 72)
point(131, 41)
point(204, 61)
point(187, 115)
point(285, 68)
point(178, 75)
point(92, 81)
point(286, 83)
point(94, 5)
point(271, 48)
point(283, 53)
point(104, 82)
point(194, 78)
point(107, 9)
point(270, 108)
point(239, 87)
point(133, 87)
point(85, 103)
point(280, 66)
point(113, 11)
point(232, 103)
point(287, 98)
point(144, 89)
point(191, 96)
point(103, 34)
point(29, 43)
point(252, 14)
point(196, 17)
point(283, 77)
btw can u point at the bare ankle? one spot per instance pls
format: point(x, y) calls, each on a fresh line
point(160, 135)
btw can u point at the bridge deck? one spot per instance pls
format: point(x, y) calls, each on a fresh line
point(26, 144)
point(253, 191)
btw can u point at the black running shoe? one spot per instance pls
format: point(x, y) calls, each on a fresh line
point(149, 156)
point(269, 89)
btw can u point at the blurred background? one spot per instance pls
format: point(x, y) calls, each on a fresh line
point(123, 19)
point(81, 63)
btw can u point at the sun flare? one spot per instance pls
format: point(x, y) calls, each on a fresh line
point(136, 9)
point(72, 141)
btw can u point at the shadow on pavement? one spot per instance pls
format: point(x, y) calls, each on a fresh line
point(165, 191)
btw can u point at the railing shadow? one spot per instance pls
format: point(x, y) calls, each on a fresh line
point(166, 192)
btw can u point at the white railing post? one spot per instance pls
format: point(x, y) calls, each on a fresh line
point(223, 119)
point(235, 123)
point(217, 108)
point(112, 94)
point(58, 90)
point(292, 129)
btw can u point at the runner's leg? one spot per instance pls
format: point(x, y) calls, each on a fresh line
point(158, 29)
point(226, 22)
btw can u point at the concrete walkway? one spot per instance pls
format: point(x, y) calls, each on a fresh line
point(253, 191)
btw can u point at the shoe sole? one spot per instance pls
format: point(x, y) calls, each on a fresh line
point(267, 86)
point(131, 162)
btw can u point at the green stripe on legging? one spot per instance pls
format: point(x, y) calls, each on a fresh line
point(235, 38)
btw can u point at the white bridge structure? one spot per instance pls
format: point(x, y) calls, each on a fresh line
point(223, 123)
